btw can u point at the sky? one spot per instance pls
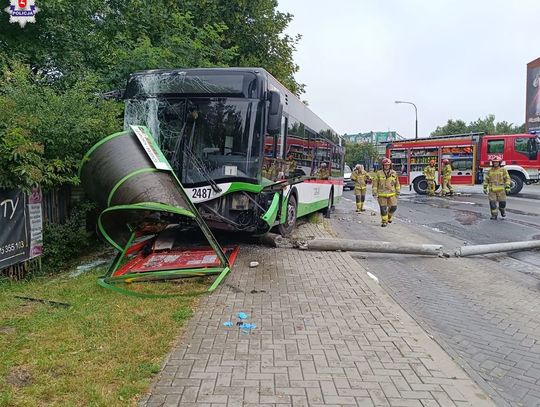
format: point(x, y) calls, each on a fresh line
point(455, 59)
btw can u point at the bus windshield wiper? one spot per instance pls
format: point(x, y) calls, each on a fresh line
point(201, 168)
point(197, 163)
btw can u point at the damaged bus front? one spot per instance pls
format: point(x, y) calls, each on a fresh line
point(211, 124)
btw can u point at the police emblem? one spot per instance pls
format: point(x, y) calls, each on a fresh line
point(22, 11)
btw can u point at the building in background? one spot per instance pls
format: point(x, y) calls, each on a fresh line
point(377, 138)
point(532, 108)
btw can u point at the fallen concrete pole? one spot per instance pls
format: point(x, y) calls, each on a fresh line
point(374, 247)
point(465, 251)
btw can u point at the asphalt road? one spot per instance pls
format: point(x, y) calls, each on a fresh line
point(483, 310)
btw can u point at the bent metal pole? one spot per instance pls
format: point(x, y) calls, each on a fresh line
point(465, 251)
point(371, 246)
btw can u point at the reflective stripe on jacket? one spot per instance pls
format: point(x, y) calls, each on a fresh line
point(497, 179)
point(429, 172)
point(359, 179)
point(447, 171)
point(386, 186)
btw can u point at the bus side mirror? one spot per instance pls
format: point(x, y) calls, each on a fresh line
point(275, 112)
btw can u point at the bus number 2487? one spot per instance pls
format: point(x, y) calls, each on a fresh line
point(201, 193)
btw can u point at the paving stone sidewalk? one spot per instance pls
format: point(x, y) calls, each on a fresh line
point(326, 335)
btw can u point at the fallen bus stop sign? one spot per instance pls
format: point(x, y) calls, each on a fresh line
point(142, 200)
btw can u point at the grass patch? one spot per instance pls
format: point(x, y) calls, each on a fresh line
point(101, 351)
point(315, 218)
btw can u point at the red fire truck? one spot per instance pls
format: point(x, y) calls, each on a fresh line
point(470, 155)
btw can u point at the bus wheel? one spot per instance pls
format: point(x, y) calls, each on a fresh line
point(328, 210)
point(285, 229)
point(516, 184)
point(420, 186)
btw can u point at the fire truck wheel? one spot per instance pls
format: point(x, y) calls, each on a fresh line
point(516, 184)
point(420, 186)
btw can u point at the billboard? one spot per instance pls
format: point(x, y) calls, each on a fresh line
point(20, 226)
point(532, 118)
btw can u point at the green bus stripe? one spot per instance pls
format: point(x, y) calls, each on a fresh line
point(125, 178)
point(139, 206)
point(244, 186)
point(95, 146)
point(306, 208)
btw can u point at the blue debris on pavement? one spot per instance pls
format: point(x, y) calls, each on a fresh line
point(244, 326)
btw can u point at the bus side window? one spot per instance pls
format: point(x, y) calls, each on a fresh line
point(297, 149)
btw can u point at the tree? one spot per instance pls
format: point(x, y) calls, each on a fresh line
point(486, 125)
point(44, 132)
point(256, 28)
point(76, 50)
point(112, 39)
point(360, 153)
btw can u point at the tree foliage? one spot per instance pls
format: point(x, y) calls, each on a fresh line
point(256, 28)
point(44, 131)
point(54, 70)
point(487, 125)
point(112, 39)
point(360, 153)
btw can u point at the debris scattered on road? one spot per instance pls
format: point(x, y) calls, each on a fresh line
point(257, 291)
point(373, 276)
point(246, 328)
point(243, 326)
point(254, 264)
point(472, 250)
point(373, 246)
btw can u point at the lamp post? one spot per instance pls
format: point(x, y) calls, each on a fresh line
point(415, 114)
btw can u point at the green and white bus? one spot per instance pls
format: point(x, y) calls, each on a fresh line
point(249, 153)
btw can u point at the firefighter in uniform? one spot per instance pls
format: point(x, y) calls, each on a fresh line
point(429, 174)
point(386, 189)
point(323, 172)
point(360, 177)
point(496, 185)
point(290, 165)
point(270, 169)
point(447, 178)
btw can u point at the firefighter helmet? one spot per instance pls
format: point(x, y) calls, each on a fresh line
point(446, 161)
point(496, 158)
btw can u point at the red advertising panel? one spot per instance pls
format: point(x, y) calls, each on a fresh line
point(532, 118)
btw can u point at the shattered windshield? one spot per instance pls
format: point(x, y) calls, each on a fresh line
point(240, 84)
point(217, 138)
